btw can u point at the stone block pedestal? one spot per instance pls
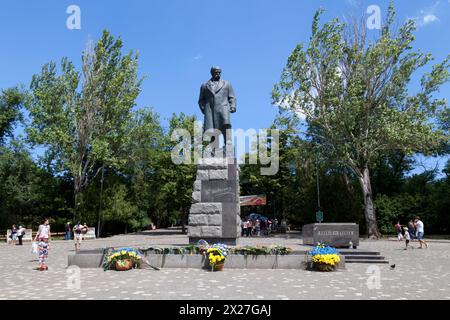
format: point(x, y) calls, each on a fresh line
point(215, 212)
point(334, 234)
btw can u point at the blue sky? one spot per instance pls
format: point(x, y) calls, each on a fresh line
point(179, 40)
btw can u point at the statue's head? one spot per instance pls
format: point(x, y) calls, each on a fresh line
point(216, 72)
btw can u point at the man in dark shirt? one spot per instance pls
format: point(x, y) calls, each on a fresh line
point(68, 230)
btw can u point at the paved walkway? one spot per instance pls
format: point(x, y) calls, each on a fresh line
point(419, 274)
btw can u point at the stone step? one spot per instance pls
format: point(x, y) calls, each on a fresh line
point(358, 252)
point(365, 261)
point(363, 257)
point(92, 251)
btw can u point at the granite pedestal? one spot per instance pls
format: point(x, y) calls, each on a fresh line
point(335, 234)
point(215, 212)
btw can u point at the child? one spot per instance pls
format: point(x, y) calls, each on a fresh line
point(406, 235)
point(43, 237)
point(43, 254)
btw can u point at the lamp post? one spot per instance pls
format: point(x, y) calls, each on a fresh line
point(317, 181)
point(319, 213)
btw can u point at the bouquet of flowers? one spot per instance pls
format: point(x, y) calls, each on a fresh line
point(122, 259)
point(217, 254)
point(324, 257)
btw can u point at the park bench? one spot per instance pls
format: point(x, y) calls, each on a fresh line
point(26, 238)
point(90, 235)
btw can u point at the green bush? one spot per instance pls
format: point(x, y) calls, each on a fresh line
point(401, 207)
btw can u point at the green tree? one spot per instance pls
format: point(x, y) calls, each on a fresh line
point(281, 188)
point(138, 158)
point(10, 103)
point(399, 207)
point(159, 187)
point(27, 192)
point(144, 154)
point(388, 172)
point(440, 202)
point(82, 117)
point(174, 182)
point(444, 120)
point(292, 192)
point(354, 95)
point(119, 209)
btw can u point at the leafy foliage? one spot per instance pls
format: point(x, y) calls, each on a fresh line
point(82, 117)
point(10, 102)
point(353, 94)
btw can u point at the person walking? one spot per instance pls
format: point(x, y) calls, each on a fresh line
point(20, 234)
point(13, 235)
point(77, 235)
point(264, 227)
point(406, 236)
point(398, 229)
point(250, 228)
point(43, 237)
point(283, 225)
point(258, 228)
point(68, 230)
point(420, 231)
point(244, 228)
point(269, 227)
point(411, 229)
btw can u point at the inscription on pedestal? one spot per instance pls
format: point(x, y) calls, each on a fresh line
point(218, 191)
point(335, 234)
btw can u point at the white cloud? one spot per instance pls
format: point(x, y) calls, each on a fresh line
point(428, 15)
point(198, 57)
point(429, 18)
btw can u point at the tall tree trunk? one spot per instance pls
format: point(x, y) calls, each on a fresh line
point(76, 196)
point(369, 210)
point(347, 184)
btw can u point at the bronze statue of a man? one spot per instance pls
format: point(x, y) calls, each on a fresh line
point(216, 101)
